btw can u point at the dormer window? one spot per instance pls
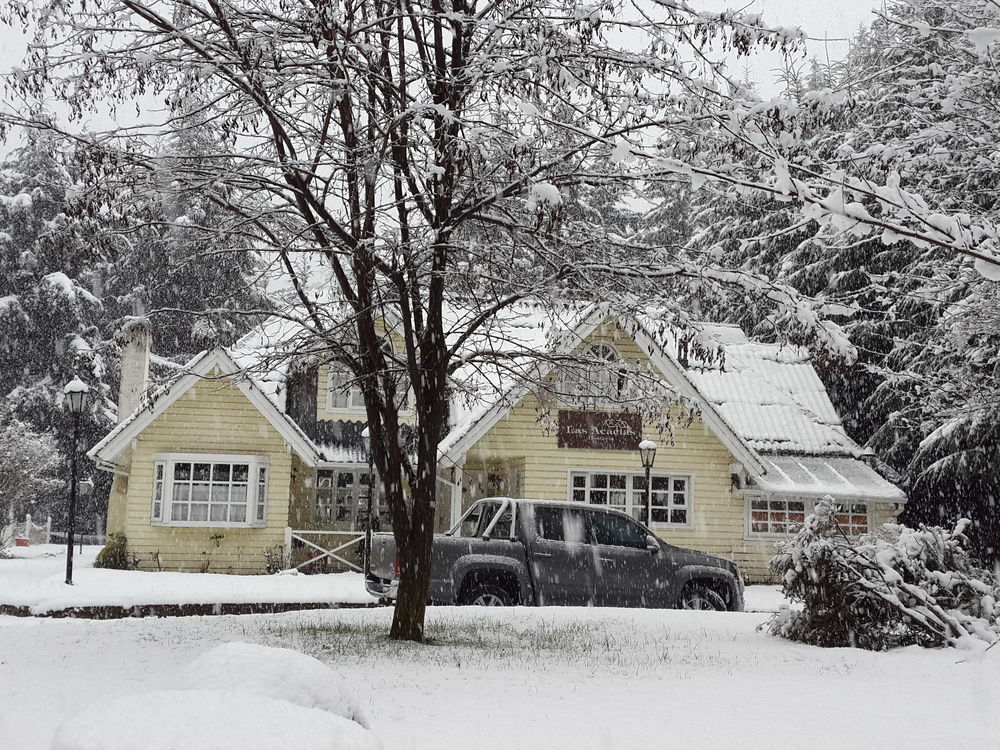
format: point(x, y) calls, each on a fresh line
point(343, 392)
point(598, 377)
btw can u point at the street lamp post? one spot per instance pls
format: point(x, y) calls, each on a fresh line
point(647, 453)
point(76, 393)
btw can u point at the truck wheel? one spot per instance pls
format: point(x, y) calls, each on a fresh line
point(697, 596)
point(487, 595)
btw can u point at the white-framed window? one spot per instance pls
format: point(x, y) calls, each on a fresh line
point(598, 378)
point(342, 391)
point(342, 498)
point(769, 516)
point(209, 490)
point(670, 501)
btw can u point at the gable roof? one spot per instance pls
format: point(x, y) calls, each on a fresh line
point(217, 363)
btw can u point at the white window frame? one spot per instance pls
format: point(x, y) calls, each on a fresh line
point(336, 379)
point(353, 396)
point(257, 488)
point(631, 492)
point(809, 507)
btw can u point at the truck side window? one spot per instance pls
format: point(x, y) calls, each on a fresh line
point(561, 525)
point(549, 524)
point(617, 531)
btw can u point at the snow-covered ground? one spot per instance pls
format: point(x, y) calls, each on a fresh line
point(36, 579)
point(534, 678)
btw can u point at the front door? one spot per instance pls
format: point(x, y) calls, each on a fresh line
point(561, 558)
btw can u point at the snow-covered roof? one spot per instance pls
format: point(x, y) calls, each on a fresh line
point(819, 476)
point(772, 397)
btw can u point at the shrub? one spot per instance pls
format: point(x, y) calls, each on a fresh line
point(898, 587)
point(115, 555)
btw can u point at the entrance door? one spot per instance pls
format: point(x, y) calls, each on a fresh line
point(562, 560)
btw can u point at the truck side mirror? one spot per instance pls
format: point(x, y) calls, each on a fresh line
point(652, 544)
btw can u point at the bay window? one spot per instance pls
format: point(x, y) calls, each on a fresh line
point(207, 490)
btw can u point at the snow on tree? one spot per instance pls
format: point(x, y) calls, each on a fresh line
point(896, 587)
point(30, 465)
point(421, 153)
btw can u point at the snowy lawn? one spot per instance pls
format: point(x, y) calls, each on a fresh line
point(534, 678)
point(36, 579)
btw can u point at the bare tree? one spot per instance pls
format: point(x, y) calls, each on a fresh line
point(428, 153)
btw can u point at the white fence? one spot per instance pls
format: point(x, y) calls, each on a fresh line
point(35, 533)
point(341, 542)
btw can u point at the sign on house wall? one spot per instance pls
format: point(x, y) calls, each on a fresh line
point(599, 430)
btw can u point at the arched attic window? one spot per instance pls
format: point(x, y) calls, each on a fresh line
point(598, 378)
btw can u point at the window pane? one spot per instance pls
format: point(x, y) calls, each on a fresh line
point(598, 480)
point(217, 513)
point(579, 480)
point(182, 493)
point(241, 472)
point(159, 471)
point(202, 472)
point(680, 485)
point(678, 516)
point(220, 472)
point(617, 481)
point(199, 512)
point(220, 493)
point(199, 492)
point(549, 524)
point(580, 496)
point(178, 512)
point(661, 483)
point(237, 513)
point(182, 471)
point(620, 531)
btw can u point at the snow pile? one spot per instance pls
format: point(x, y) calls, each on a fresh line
point(276, 673)
point(39, 585)
point(900, 587)
point(240, 697)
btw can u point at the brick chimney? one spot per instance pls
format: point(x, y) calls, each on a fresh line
point(134, 339)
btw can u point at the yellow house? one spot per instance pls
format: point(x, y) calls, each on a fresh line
point(234, 463)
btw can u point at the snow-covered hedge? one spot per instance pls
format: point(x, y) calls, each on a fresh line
point(897, 587)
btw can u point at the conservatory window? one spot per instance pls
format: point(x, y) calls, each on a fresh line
point(626, 491)
point(770, 516)
point(208, 490)
point(599, 378)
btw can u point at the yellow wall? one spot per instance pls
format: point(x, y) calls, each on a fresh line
point(717, 523)
point(212, 417)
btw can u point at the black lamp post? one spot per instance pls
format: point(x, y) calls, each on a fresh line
point(647, 453)
point(76, 393)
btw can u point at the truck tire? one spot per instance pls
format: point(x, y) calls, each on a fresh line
point(699, 596)
point(486, 594)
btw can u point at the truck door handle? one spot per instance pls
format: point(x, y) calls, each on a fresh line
point(542, 554)
point(606, 559)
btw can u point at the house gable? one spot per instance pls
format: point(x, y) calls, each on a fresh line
point(597, 327)
point(214, 366)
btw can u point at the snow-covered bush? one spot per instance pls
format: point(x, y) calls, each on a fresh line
point(897, 587)
point(115, 554)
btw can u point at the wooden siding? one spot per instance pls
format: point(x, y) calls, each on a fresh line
point(521, 441)
point(213, 417)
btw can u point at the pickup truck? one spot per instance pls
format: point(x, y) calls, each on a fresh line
point(507, 551)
